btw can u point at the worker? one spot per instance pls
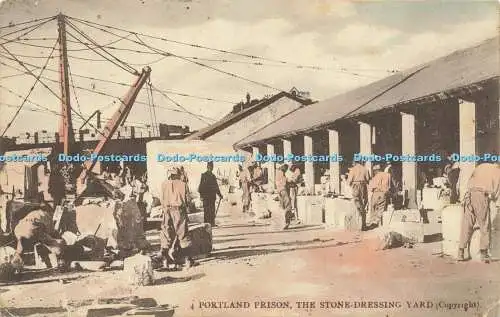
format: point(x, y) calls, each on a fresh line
point(294, 180)
point(482, 188)
point(358, 179)
point(208, 190)
point(174, 227)
point(283, 194)
point(452, 173)
point(37, 227)
point(257, 177)
point(379, 187)
point(246, 187)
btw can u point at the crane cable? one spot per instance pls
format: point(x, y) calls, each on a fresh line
point(30, 91)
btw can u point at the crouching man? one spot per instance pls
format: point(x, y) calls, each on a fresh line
point(174, 228)
point(37, 227)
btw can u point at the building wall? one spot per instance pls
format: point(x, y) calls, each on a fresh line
point(255, 121)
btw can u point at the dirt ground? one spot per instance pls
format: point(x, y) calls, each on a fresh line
point(255, 264)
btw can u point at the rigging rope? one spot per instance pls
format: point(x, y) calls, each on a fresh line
point(30, 91)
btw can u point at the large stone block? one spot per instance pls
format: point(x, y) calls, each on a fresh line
point(412, 231)
point(434, 198)
point(451, 227)
point(196, 217)
point(310, 209)
point(201, 237)
point(338, 212)
point(342, 213)
point(405, 215)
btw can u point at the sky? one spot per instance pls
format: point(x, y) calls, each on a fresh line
point(351, 43)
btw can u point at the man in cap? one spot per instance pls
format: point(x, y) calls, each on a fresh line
point(358, 179)
point(209, 189)
point(284, 196)
point(379, 188)
point(174, 228)
point(483, 187)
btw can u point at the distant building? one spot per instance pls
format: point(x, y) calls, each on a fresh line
point(250, 116)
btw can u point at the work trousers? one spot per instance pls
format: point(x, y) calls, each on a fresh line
point(378, 205)
point(246, 196)
point(293, 196)
point(476, 211)
point(209, 210)
point(360, 197)
point(286, 205)
point(453, 177)
point(174, 228)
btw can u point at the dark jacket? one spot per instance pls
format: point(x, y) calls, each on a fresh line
point(208, 188)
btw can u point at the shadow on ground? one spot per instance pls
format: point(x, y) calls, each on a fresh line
point(248, 252)
point(28, 311)
point(172, 280)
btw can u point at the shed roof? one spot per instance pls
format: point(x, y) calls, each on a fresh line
point(460, 69)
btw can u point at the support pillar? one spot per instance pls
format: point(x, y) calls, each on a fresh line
point(308, 165)
point(409, 168)
point(255, 152)
point(287, 148)
point(271, 167)
point(334, 149)
point(467, 126)
point(365, 142)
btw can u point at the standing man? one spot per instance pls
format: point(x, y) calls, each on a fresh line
point(174, 227)
point(294, 181)
point(358, 179)
point(208, 190)
point(379, 186)
point(281, 187)
point(246, 185)
point(483, 187)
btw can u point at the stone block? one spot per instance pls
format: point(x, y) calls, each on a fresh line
point(413, 231)
point(338, 212)
point(405, 215)
point(342, 212)
point(196, 217)
point(434, 198)
point(451, 226)
point(201, 237)
point(310, 209)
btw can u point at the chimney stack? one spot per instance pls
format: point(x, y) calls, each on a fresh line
point(248, 98)
point(98, 118)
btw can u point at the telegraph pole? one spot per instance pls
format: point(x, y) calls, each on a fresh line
point(65, 125)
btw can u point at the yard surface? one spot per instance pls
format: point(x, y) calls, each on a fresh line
point(305, 271)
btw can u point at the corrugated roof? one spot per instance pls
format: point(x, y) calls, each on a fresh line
point(232, 118)
point(446, 74)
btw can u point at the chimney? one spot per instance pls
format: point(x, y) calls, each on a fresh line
point(248, 98)
point(98, 118)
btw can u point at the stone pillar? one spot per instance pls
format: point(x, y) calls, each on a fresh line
point(308, 165)
point(408, 147)
point(287, 148)
point(365, 142)
point(271, 167)
point(334, 149)
point(255, 152)
point(467, 126)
